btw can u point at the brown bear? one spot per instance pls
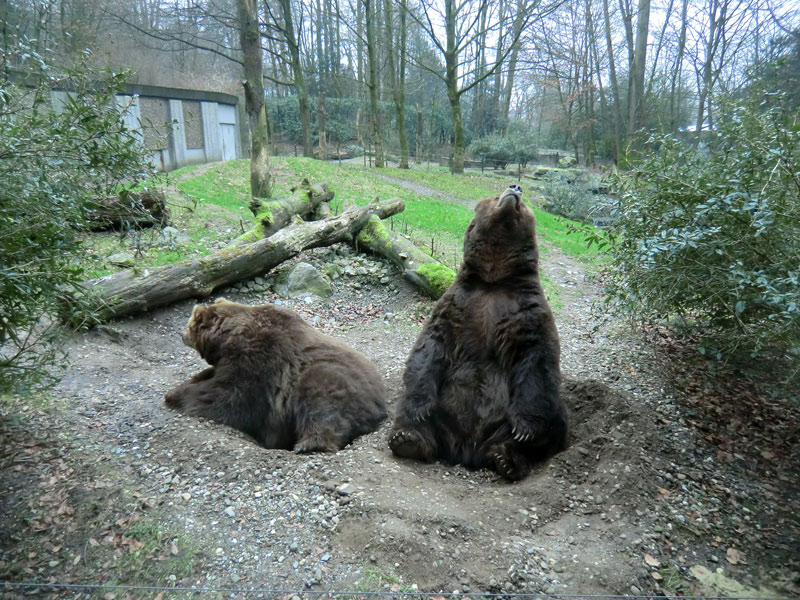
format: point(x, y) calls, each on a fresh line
point(278, 379)
point(482, 380)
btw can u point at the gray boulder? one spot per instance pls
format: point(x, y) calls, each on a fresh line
point(304, 279)
point(173, 237)
point(122, 259)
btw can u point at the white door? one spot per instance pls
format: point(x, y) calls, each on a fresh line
point(228, 141)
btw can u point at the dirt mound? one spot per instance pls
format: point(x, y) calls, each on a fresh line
point(446, 527)
point(104, 484)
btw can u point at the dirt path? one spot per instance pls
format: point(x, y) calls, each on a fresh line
point(104, 484)
point(426, 191)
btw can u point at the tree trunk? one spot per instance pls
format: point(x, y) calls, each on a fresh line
point(250, 39)
point(321, 117)
point(372, 60)
point(418, 267)
point(519, 21)
point(498, 63)
point(612, 72)
point(299, 78)
point(275, 215)
point(635, 120)
point(458, 131)
point(397, 79)
point(675, 84)
point(135, 290)
point(451, 80)
point(129, 209)
point(418, 151)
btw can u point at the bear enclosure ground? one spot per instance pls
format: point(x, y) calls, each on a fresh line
point(665, 489)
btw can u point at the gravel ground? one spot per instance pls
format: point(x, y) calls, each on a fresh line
point(105, 485)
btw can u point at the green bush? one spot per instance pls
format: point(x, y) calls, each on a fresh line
point(53, 160)
point(572, 199)
point(518, 146)
point(709, 238)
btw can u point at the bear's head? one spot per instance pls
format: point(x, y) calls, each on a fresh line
point(500, 242)
point(211, 326)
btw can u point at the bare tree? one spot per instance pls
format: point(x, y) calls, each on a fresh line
point(250, 39)
point(396, 63)
point(283, 22)
point(372, 85)
point(452, 33)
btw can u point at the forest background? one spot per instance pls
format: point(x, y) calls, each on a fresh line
point(419, 80)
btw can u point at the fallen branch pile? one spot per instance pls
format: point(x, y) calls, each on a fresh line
point(278, 236)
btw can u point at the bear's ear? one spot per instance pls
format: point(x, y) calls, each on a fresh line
point(204, 314)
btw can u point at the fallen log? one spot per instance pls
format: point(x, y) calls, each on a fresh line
point(129, 209)
point(276, 214)
point(419, 268)
point(135, 290)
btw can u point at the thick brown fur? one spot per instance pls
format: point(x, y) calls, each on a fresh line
point(278, 379)
point(482, 380)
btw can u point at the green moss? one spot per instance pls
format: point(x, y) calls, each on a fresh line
point(440, 277)
point(265, 213)
point(374, 232)
point(254, 235)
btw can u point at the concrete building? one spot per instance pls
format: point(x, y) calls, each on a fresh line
point(181, 127)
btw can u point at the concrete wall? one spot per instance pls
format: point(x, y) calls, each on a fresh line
point(168, 122)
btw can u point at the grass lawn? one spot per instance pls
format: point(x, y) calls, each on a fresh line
point(211, 208)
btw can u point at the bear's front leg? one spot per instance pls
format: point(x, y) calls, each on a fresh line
point(535, 412)
point(193, 395)
point(422, 380)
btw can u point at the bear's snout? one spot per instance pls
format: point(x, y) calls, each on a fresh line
point(186, 338)
point(513, 195)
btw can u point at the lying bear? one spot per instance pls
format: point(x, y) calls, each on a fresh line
point(278, 379)
point(482, 380)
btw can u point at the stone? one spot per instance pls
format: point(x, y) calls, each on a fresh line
point(230, 512)
point(173, 237)
point(305, 279)
point(122, 259)
point(346, 489)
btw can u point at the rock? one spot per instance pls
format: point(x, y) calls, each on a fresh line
point(173, 237)
point(305, 279)
point(230, 512)
point(346, 489)
point(122, 259)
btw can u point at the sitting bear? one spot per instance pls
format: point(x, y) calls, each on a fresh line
point(278, 379)
point(482, 380)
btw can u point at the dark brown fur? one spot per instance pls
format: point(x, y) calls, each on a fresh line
point(276, 378)
point(482, 381)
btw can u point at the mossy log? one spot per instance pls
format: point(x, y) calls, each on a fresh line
point(276, 214)
point(424, 271)
point(135, 290)
point(129, 209)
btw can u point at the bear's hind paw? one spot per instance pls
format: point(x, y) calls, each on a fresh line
point(510, 466)
point(407, 443)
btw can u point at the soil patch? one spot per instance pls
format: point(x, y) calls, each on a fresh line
point(103, 484)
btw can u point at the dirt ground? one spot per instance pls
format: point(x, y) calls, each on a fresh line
point(657, 494)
